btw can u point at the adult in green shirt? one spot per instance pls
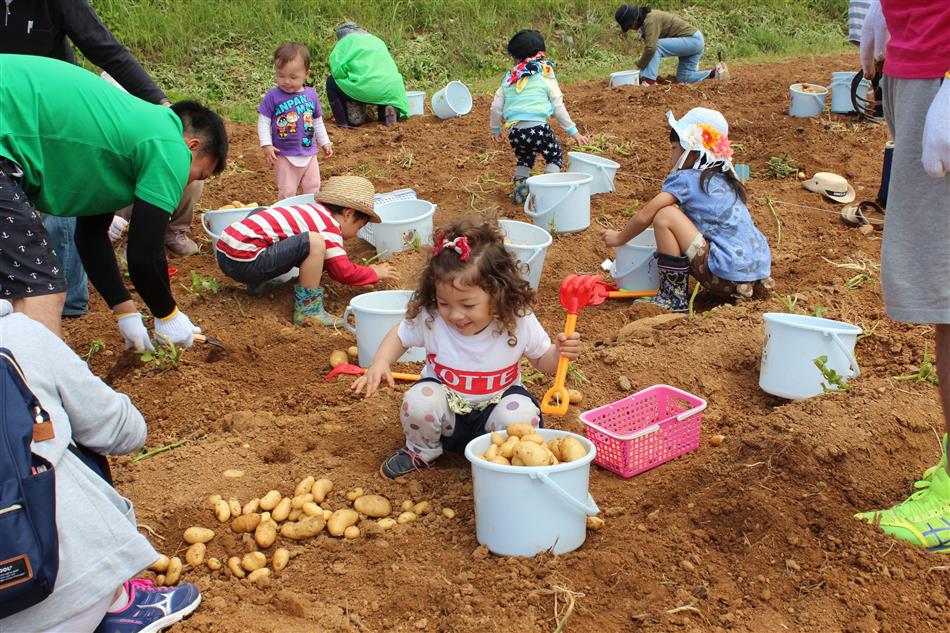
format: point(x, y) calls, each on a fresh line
point(72, 145)
point(666, 35)
point(363, 73)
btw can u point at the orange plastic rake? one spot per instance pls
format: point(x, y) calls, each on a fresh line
point(577, 291)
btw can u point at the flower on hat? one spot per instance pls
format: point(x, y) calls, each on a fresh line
point(714, 141)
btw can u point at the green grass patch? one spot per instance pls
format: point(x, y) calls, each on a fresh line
point(220, 51)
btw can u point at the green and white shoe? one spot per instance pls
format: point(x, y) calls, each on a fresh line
point(308, 304)
point(923, 519)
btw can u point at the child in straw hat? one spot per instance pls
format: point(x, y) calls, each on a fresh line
point(700, 219)
point(271, 241)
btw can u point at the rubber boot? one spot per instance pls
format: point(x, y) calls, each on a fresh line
point(674, 283)
point(308, 304)
point(520, 191)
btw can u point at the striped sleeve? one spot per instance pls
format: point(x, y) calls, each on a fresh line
point(246, 239)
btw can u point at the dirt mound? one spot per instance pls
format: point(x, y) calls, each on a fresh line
point(754, 535)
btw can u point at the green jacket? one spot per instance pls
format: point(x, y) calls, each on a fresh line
point(365, 71)
point(658, 25)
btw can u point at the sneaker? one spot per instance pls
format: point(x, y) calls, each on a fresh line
point(390, 118)
point(402, 462)
point(150, 608)
point(721, 72)
point(179, 243)
point(923, 520)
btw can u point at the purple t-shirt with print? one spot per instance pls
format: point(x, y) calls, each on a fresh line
point(291, 120)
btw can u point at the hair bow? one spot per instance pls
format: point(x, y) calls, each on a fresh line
point(459, 245)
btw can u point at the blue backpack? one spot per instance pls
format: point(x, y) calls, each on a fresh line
point(29, 545)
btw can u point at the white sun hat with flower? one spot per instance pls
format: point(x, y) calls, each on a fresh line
point(705, 131)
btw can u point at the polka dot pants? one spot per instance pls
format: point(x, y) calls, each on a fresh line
point(430, 426)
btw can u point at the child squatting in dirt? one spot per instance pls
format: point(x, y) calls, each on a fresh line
point(472, 315)
point(700, 219)
point(528, 95)
point(271, 241)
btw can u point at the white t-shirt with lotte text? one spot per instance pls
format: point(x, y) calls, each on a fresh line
point(478, 366)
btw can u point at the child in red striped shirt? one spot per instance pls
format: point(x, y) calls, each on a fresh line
point(271, 241)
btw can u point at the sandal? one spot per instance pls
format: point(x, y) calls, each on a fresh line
point(867, 212)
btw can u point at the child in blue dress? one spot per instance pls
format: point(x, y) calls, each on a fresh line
point(700, 219)
point(528, 96)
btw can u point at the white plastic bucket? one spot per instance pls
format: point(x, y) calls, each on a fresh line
point(376, 313)
point(452, 101)
point(559, 202)
point(214, 222)
point(841, 92)
point(529, 244)
point(793, 342)
point(417, 102)
point(405, 224)
point(625, 78)
point(635, 267)
point(304, 198)
point(523, 511)
point(602, 170)
point(807, 103)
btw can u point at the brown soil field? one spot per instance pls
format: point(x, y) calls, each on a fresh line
point(755, 534)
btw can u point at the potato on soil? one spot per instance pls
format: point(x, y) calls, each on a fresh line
point(531, 454)
point(174, 571)
point(198, 535)
point(213, 500)
point(406, 517)
point(213, 564)
point(282, 511)
point(374, 506)
point(253, 561)
point(251, 506)
point(304, 486)
point(354, 494)
point(265, 534)
point(195, 555)
point(222, 511)
point(520, 429)
point(280, 559)
point(295, 515)
point(340, 520)
point(338, 357)
point(258, 575)
point(448, 513)
point(161, 565)
point(353, 352)
point(307, 528)
point(234, 564)
point(717, 440)
point(312, 510)
point(235, 507)
point(321, 488)
point(571, 449)
point(160, 580)
point(298, 501)
point(270, 500)
point(407, 505)
point(594, 523)
point(423, 507)
point(387, 523)
point(574, 396)
point(245, 523)
point(351, 532)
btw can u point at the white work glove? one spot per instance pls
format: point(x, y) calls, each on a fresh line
point(176, 328)
point(936, 154)
point(117, 228)
point(874, 38)
point(134, 332)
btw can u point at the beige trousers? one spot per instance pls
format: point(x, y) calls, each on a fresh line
point(185, 213)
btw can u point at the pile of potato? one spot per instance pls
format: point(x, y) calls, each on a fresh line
point(522, 446)
point(262, 520)
point(237, 204)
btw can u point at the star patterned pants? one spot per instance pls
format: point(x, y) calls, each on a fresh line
point(527, 142)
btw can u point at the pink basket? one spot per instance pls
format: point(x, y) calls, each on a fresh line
point(644, 430)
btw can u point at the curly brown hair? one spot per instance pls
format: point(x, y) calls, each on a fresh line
point(490, 267)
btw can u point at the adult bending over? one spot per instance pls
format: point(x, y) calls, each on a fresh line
point(111, 151)
point(363, 73)
point(666, 35)
point(100, 548)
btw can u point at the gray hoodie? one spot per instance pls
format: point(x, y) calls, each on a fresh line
point(99, 545)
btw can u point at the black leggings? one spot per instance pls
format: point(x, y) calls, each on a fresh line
point(338, 101)
point(539, 139)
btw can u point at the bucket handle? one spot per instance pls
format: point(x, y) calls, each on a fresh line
point(537, 214)
point(590, 508)
point(535, 251)
point(606, 174)
point(207, 227)
point(346, 321)
point(855, 370)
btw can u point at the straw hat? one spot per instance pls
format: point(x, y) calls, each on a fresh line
point(831, 186)
point(351, 192)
